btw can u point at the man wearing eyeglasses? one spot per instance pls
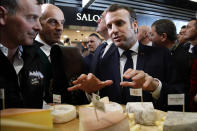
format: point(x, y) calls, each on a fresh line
point(52, 21)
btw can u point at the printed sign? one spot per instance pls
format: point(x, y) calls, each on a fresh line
point(136, 92)
point(2, 94)
point(56, 98)
point(176, 99)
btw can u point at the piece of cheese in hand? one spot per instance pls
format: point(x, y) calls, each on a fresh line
point(63, 113)
point(109, 121)
point(143, 112)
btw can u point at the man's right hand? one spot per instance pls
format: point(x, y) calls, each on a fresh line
point(89, 83)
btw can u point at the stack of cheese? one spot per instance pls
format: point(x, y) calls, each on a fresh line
point(143, 112)
point(26, 120)
point(180, 121)
point(63, 113)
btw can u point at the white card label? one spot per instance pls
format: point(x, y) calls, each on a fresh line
point(97, 103)
point(56, 98)
point(176, 99)
point(136, 92)
point(2, 96)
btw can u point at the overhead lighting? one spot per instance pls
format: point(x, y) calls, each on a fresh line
point(65, 36)
point(194, 0)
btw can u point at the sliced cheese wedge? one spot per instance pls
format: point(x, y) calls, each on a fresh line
point(35, 116)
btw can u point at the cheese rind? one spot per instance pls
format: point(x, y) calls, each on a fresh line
point(109, 121)
point(35, 116)
point(63, 113)
point(180, 121)
point(112, 106)
point(143, 112)
point(26, 120)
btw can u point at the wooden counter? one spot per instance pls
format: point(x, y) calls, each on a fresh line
point(69, 126)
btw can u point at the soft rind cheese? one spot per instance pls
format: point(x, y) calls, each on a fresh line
point(107, 121)
point(180, 121)
point(143, 112)
point(113, 106)
point(63, 113)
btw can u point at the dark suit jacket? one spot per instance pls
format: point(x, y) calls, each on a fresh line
point(152, 60)
point(30, 93)
point(193, 88)
point(9, 82)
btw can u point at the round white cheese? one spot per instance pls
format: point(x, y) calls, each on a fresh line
point(112, 106)
point(63, 113)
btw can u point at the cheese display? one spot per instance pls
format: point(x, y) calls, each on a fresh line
point(107, 121)
point(180, 121)
point(143, 112)
point(26, 119)
point(63, 113)
point(159, 120)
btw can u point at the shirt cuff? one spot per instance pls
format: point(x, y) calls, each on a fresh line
point(156, 93)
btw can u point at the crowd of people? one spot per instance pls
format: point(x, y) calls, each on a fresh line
point(154, 58)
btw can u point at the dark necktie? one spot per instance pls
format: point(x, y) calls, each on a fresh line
point(102, 49)
point(129, 62)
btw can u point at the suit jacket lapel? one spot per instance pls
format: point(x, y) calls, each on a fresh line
point(113, 55)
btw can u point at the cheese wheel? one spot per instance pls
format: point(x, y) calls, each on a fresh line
point(63, 113)
point(112, 106)
point(143, 112)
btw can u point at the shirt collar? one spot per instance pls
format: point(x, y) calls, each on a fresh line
point(134, 48)
point(18, 52)
point(45, 48)
point(109, 41)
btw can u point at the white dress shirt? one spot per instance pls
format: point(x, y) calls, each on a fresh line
point(45, 48)
point(18, 61)
point(109, 43)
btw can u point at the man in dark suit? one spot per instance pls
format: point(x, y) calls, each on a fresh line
point(52, 21)
point(93, 42)
point(164, 34)
point(150, 70)
point(20, 74)
point(191, 35)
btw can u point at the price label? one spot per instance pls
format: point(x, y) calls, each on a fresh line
point(2, 96)
point(56, 98)
point(176, 99)
point(136, 92)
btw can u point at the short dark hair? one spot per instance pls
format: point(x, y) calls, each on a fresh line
point(183, 27)
point(166, 26)
point(12, 5)
point(94, 34)
point(194, 19)
point(116, 7)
